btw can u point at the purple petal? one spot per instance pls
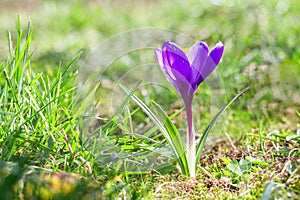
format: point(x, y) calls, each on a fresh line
point(197, 55)
point(158, 56)
point(183, 86)
point(217, 52)
point(212, 61)
point(173, 57)
point(197, 75)
point(167, 70)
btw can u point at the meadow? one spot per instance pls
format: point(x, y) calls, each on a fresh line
point(70, 128)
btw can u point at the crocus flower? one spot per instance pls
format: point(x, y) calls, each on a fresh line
point(186, 71)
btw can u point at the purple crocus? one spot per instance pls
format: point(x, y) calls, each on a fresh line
point(186, 71)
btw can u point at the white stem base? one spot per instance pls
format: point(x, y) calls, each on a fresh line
point(191, 155)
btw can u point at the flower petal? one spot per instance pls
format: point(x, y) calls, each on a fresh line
point(217, 52)
point(167, 70)
point(197, 55)
point(175, 58)
point(183, 86)
point(158, 56)
point(212, 61)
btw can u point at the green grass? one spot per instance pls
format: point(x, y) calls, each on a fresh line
point(47, 151)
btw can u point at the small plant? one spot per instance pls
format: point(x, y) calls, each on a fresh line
point(185, 71)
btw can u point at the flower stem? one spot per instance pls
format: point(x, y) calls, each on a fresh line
point(191, 143)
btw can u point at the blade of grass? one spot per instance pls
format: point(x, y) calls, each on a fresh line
point(208, 129)
point(176, 139)
point(172, 136)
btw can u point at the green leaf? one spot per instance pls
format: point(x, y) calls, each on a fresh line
point(175, 137)
point(167, 128)
point(208, 129)
point(226, 160)
point(217, 175)
point(234, 167)
point(245, 166)
point(127, 147)
point(257, 161)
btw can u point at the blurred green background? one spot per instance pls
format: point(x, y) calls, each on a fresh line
point(261, 37)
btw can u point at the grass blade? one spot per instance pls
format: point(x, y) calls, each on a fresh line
point(176, 139)
point(167, 128)
point(208, 129)
point(269, 190)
